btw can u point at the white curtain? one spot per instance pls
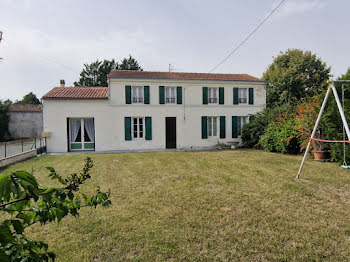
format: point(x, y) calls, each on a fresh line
point(74, 129)
point(90, 128)
point(134, 94)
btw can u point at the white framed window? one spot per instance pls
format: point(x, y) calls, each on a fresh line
point(138, 128)
point(137, 94)
point(81, 134)
point(212, 95)
point(242, 120)
point(242, 95)
point(170, 95)
point(212, 126)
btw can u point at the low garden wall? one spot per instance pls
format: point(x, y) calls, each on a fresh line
point(17, 158)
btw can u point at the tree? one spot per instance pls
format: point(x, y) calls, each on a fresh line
point(129, 64)
point(294, 75)
point(4, 119)
point(26, 204)
point(95, 74)
point(29, 98)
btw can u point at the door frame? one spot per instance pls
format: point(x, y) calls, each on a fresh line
point(166, 144)
point(82, 130)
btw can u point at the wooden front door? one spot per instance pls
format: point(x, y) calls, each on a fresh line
point(170, 133)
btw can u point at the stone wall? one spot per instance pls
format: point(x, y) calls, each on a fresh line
point(25, 124)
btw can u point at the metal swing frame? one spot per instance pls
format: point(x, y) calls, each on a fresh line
point(341, 111)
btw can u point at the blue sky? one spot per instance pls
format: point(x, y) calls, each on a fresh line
point(45, 41)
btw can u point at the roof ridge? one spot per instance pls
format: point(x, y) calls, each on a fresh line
point(81, 87)
point(179, 72)
point(182, 75)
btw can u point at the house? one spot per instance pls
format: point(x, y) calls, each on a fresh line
point(26, 121)
point(142, 110)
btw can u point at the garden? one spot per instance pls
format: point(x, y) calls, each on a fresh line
point(237, 205)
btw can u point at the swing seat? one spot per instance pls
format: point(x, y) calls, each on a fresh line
point(346, 167)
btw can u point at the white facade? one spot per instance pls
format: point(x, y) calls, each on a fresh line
point(109, 114)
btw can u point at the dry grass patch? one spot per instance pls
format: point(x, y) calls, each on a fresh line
point(242, 205)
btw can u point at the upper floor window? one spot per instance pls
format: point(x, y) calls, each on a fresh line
point(242, 95)
point(137, 94)
point(170, 95)
point(137, 127)
point(212, 95)
point(212, 126)
point(242, 120)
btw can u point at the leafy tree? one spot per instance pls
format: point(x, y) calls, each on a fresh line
point(95, 74)
point(294, 75)
point(26, 204)
point(129, 64)
point(29, 98)
point(4, 119)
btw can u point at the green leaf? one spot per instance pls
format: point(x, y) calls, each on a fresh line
point(5, 234)
point(70, 195)
point(5, 187)
point(18, 226)
point(3, 256)
point(51, 169)
point(27, 218)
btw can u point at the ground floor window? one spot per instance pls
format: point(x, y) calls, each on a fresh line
point(81, 134)
point(138, 127)
point(212, 126)
point(242, 120)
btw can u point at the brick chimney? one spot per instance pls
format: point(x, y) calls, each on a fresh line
point(62, 83)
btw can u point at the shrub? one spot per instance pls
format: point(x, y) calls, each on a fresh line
point(252, 131)
point(281, 136)
point(26, 204)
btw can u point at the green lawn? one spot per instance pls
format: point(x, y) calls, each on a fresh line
point(240, 205)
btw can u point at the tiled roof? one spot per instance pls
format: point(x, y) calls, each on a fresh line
point(77, 93)
point(25, 108)
point(180, 76)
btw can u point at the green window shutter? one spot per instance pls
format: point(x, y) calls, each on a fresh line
point(179, 95)
point(161, 95)
point(204, 127)
point(235, 96)
point(221, 95)
point(127, 126)
point(146, 94)
point(234, 127)
point(251, 96)
point(128, 94)
point(251, 118)
point(222, 127)
point(148, 121)
point(205, 95)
